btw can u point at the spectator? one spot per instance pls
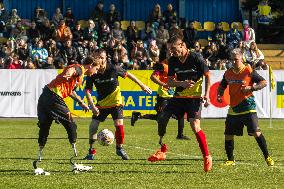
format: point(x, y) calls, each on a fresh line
point(49, 63)
point(139, 56)
point(120, 57)
point(69, 18)
point(77, 34)
point(90, 33)
point(112, 16)
point(190, 35)
point(39, 54)
point(175, 31)
point(22, 49)
point(117, 33)
point(62, 33)
point(255, 57)
point(263, 13)
point(211, 55)
point(162, 36)
point(83, 51)
point(155, 17)
point(46, 31)
point(2, 63)
point(57, 16)
point(98, 14)
point(15, 63)
point(219, 36)
point(3, 19)
point(53, 52)
point(14, 19)
point(33, 32)
point(234, 37)
point(148, 34)
point(132, 34)
point(169, 15)
point(68, 53)
point(245, 51)
point(248, 33)
point(18, 31)
point(154, 53)
point(104, 34)
point(40, 16)
point(29, 64)
point(93, 47)
point(197, 48)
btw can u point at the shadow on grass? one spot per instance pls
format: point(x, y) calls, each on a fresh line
point(34, 138)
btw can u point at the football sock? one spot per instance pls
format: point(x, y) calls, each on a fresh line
point(262, 145)
point(119, 134)
point(229, 147)
point(201, 138)
point(180, 126)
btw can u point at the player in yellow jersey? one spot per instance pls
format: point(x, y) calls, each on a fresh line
point(242, 81)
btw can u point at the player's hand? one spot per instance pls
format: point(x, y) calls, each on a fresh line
point(84, 106)
point(206, 101)
point(95, 110)
point(246, 89)
point(187, 84)
point(146, 89)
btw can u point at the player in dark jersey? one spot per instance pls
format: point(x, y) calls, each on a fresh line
point(242, 81)
point(109, 101)
point(164, 93)
point(51, 105)
point(186, 72)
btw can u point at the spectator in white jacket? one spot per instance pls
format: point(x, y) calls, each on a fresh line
point(248, 33)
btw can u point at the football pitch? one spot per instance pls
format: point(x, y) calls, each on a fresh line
point(182, 169)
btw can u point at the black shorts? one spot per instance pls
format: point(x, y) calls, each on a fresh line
point(52, 107)
point(235, 123)
point(180, 106)
point(161, 104)
point(116, 113)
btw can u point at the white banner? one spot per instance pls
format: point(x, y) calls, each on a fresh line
point(20, 90)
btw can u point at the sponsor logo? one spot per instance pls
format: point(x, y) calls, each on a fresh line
point(10, 93)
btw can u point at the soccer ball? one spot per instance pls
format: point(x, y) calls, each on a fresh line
point(105, 137)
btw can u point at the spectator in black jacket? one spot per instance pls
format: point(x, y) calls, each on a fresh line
point(98, 14)
point(68, 53)
point(4, 16)
point(77, 34)
point(190, 35)
point(33, 32)
point(112, 16)
point(169, 16)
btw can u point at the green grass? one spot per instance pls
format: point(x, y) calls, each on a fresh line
point(182, 169)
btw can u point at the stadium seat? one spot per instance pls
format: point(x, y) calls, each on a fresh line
point(225, 26)
point(240, 26)
point(203, 42)
point(3, 40)
point(197, 26)
point(209, 26)
point(140, 25)
point(124, 24)
point(83, 23)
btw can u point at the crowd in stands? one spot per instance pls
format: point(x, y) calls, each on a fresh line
point(61, 41)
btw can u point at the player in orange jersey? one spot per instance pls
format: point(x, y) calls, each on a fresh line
point(51, 105)
point(242, 81)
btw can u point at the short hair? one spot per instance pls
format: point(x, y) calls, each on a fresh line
point(90, 60)
point(236, 51)
point(175, 38)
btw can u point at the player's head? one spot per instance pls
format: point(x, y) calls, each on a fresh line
point(178, 47)
point(237, 57)
point(102, 55)
point(91, 65)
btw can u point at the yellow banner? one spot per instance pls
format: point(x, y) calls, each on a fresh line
point(133, 97)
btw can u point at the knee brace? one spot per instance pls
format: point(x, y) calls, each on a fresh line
point(163, 119)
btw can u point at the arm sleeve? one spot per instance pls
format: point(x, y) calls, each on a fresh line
point(256, 78)
point(121, 72)
point(171, 71)
point(203, 67)
point(224, 82)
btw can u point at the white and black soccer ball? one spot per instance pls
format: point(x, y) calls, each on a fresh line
point(105, 137)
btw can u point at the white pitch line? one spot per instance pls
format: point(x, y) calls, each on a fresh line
point(280, 166)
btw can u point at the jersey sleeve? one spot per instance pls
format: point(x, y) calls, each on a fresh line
point(89, 83)
point(158, 68)
point(256, 78)
point(121, 72)
point(224, 82)
point(203, 66)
